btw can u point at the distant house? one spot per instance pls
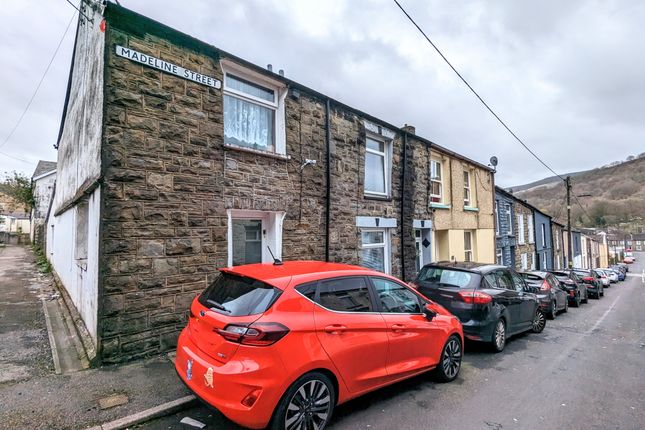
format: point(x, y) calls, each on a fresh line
point(506, 228)
point(14, 221)
point(559, 249)
point(43, 181)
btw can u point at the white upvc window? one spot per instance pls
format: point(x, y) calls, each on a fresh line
point(543, 262)
point(436, 181)
point(509, 217)
point(531, 234)
point(467, 196)
point(520, 229)
point(557, 239)
point(375, 249)
point(500, 256)
point(253, 110)
point(543, 225)
point(378, 166)
point(468, 246)
point(533, 261)
point(496, 218)
point(525, 261)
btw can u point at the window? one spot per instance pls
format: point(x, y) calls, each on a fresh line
point(345, 295)
point(375, 249)
point(395, 298)
point(253, 111)
point(509, 217)
point(533, 261)
point(543, 235)
point(436, 181)
point(520, 229)
point(500, 256)
point(525, 261)
point(377, 167)
point(443, 276)
point(557, 239)
point(496, 219)
point(543, 261)
point(518, 281)
point(467, 201)
point(504, 280)
point(251, 234)
point(236, 295)
point(531, 234)
point(468, 246)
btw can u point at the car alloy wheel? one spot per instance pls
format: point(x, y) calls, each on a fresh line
point(309, 407)
point(499, 336)
point(539, 321)
point(450, 360)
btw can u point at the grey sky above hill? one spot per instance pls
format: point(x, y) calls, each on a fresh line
point(568, 77)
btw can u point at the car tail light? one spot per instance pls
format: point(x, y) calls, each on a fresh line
point(588, 279)
point(572, 293)
point(475, 297)
point(256, 334)
point(545, 286)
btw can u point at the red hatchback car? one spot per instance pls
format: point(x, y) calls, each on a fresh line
point(282, 345)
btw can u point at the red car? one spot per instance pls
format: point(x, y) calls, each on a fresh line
point(282, 345)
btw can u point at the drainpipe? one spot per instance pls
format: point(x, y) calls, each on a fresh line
point(405, 162)
point(327, 175)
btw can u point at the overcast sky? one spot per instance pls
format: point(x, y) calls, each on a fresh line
point(567, 76)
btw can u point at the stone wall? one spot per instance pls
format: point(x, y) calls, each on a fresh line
point(528, 247)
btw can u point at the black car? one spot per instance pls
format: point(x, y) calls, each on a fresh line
point(576, 289)
point(552, 297)
point(592, 280)
point(492, 302)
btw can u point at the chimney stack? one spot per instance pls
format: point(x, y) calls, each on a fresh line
point(270, 67)
point(409, 129)
point(281, 72)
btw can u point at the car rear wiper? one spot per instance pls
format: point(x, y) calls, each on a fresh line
point(217, 306)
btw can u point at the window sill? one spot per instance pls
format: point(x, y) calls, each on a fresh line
point(377, 197)
point(471, 208)
point(439, 206)
point(257, 152)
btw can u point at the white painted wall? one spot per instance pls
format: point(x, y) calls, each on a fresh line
point(79, 276)
point(78, 167)
point(43, 188)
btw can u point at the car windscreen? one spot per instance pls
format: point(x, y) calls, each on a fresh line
point(531, 278)
point(446, 277)
point(236, 295)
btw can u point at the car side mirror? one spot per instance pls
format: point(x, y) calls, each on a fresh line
point(428, 312)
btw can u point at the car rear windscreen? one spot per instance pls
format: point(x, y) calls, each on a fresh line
point(441, 276)
point(236, 295)
point(531, 278)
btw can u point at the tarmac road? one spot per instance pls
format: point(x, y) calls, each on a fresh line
point(585, 371)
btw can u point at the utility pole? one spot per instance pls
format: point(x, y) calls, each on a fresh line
point(569, 222)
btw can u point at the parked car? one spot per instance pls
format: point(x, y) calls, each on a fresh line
point(576, 289)
point(552, 297)
point(628, 260)
point(592, 282)
point(620, 270)
point(492, 302)
point(612, 275)
point(624, 266)
point(283, 344)
point(604, 278)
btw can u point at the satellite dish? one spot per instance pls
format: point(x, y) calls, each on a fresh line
point(493, 161)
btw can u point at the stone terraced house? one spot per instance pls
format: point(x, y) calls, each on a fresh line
point(176, 158)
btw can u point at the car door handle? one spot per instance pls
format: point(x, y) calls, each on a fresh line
point(335, 328)
point(398, 327)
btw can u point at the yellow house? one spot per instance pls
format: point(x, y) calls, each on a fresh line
point(462, 195)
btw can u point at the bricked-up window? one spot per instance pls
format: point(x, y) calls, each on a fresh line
point(377, 167)
point(467, 200)
point(468, 246)
point(375, 249)
point(436, 181)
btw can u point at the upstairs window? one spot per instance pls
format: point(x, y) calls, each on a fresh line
point(496, 218)
point(509, 218)
point(467, 199)
point(531, 234)
point(253, 112)
point(377, 167)
point(520, 229)
point(436, 182)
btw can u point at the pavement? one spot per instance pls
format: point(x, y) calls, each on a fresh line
point(585, 371)
point(34, 396)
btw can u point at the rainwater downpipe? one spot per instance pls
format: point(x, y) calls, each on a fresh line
point(405, 162)
point(327, 175)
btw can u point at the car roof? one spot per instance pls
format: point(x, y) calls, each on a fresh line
point(297, 272)
point(469, 266)
point(540, 273)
